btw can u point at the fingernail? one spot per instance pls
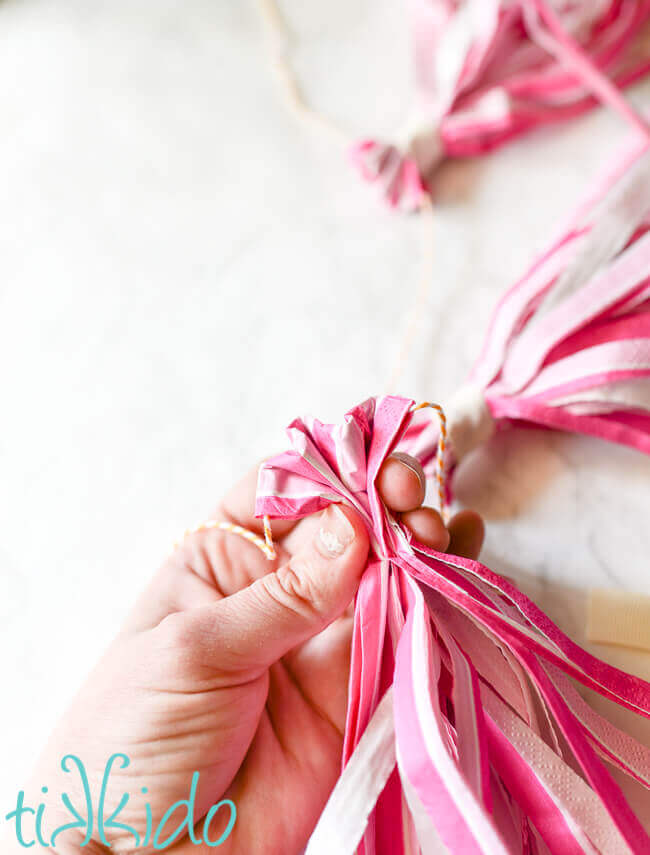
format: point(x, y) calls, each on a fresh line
point(335, 533)
point(409, 462)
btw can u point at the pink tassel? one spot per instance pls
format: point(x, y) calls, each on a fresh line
point(403, 185)
point(489, 71)
point(568, 346)
point(463, 727)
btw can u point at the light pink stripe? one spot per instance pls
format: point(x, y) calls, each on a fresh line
point(629, 755)
point(591, 366)
point(624, 817)
point(533, 798)
point(546, 786)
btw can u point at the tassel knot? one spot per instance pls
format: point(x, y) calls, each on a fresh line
point(395, 172)
point(470, 420)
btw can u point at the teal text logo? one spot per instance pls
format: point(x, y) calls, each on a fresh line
point(93, 823)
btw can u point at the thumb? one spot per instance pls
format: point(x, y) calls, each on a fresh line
point(255, 627)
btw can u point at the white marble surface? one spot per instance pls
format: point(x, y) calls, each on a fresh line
point(184, 269)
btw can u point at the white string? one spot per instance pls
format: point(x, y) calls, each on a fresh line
point(279, 41)
point(418, 308)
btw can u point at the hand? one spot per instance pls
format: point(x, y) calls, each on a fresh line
point(236, 668)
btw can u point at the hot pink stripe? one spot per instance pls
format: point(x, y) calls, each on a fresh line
point(615, 427)
point(636, 325)
point(367, 648)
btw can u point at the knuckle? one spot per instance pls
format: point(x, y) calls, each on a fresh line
point(176, 633)
point(177, 652)
point(292, 587)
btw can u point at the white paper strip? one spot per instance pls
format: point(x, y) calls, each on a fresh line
point(344, 819)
